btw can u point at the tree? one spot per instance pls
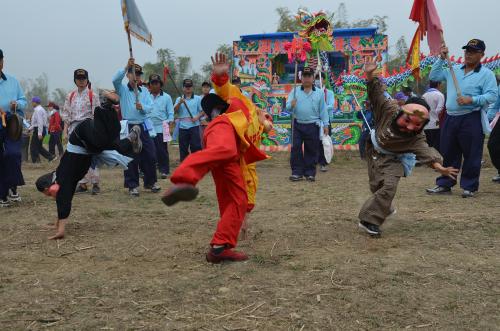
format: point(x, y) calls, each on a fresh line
point(36, 87)
point(287, 21)
point(340, 19)
point(59, 96)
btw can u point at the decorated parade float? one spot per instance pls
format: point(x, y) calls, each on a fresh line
point(267, 65)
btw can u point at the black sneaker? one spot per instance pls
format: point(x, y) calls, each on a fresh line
point(163, 175)
point(467, 194)
point(81, 188)
point(310, 178)
point(496, 179)
point(179, 192)
point(372, 229)
point(4, 203)
point(323, 168)
point(96, 189)
point(135, 138)
point(295, 178)
point(439, 190)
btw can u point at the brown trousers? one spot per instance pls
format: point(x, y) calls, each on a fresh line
point(384, 172)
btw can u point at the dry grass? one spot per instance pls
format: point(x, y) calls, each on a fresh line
point(136, 264)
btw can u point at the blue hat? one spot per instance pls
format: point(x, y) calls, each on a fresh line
point(475, 44)
point(400, 96)
point(36, 99)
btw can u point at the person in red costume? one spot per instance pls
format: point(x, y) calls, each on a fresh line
point(230, 150)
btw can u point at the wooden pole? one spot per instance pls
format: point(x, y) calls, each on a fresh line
point(179, 92)
point(453, 76)
point(136, 91)
point(319, 71)
point(294, 98)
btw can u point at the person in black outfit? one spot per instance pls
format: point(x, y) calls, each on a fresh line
point(94, 136)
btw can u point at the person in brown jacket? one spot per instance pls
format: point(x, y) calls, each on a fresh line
point(392, 150)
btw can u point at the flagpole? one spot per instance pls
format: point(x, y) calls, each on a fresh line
point(453, 76)
point(294, 97)
point(179, 92)
point(136, 92)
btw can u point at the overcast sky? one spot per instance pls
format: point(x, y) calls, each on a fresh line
point(58, 36)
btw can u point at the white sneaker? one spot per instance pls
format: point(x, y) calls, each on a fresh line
point(134, 192)
point(4, 203)
point(13, 197)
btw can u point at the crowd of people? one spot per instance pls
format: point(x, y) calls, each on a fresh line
point(220, 130)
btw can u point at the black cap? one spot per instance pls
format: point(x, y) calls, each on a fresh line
point(206, 84)
point(418, 101)
point(80, 73)
point(187, 82)
point(155, 78)
point(475, 44)
point(1, 54)
point(236, 80)
point(212, 101)
point(307, 71)
point(138, 69)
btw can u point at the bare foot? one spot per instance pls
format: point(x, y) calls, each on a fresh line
point(58, 235)
point(60, 225)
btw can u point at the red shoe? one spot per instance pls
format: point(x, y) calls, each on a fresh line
point(226, 255)
point(179, 192)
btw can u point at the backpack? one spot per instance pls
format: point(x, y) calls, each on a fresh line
point(91, 97)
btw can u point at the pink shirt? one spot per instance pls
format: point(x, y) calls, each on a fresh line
point(79, 108)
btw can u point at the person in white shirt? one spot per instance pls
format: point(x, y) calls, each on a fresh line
point(79, 106)
point(39, 126)
point(436, 101)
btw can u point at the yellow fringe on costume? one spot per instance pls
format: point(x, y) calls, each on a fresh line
point(249, 132)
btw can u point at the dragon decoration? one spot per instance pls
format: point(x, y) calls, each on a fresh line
point(401, 78)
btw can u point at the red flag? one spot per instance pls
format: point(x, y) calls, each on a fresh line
point(425, 14)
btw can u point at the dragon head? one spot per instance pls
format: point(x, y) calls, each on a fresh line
point(317, 29)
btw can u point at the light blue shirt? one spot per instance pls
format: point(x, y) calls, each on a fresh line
point(330, 102)
point(10, 90)
point(127, 100)
point(310, 108)
point(163, 110)
point(494, 107)
point(480, 84)
point(194, 104)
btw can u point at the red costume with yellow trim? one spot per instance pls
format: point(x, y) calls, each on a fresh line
point(231, 141)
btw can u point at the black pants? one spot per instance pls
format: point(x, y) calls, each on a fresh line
point(37, 148)
point(162, 156)
point(73, 167)
point(189, 140)
point(494, 146)
point(303, 163)
point(70, 171)
point(433, 138)
point(26, 147)
point(55, 140)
